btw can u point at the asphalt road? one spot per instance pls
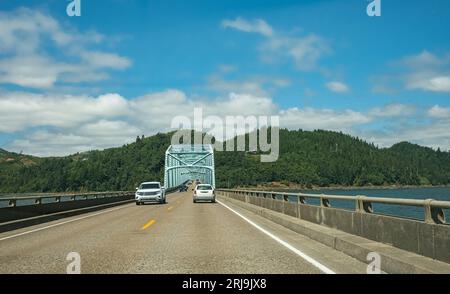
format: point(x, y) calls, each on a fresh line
point(178, 237)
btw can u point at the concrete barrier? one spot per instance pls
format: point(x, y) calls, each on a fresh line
point(8, 214)
point(427, 239)
point(13, 218)
point(393, 260)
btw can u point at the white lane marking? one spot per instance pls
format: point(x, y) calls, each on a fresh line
point(62, 223)
point(306, 257)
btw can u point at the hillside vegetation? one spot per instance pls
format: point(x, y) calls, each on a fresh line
point(319, 158)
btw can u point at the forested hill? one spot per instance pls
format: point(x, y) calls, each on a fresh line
point(319, 158)
point(12, 161)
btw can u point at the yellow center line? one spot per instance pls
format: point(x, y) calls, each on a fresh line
point(147, 225)
point(170, 208)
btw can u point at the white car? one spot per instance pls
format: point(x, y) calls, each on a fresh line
point(150, 192)
point(204, 192)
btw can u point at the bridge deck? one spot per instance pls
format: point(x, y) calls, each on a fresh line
point(179, 237)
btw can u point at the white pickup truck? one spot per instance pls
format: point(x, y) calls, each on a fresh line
point(150, 192)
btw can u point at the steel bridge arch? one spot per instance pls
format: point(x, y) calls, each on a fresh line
point(189, 162)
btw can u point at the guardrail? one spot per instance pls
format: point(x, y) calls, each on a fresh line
point(22, 210)
point(433, 209)
point(176, 188)
point(47, 198)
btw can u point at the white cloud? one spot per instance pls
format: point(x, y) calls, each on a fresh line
point(19, 111)
point(256, 85)
point(393, 110)
point(439, 112)
point(429, 82)
point(26, 40)
point(256, 26)
point(337, 87)
point(96, 122)
point(107, 129)
point(61, 125)
point(423, 60)
point(100, 135)
point(419, 129)
point(311, 119)
point(242, 104)
point(158, 109)
point(434, 135)
point(424, 71)
point(105, 60)
point(22, 31)
point(305, 51)
point(30, 71)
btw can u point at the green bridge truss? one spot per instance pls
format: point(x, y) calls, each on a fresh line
point(189, 162)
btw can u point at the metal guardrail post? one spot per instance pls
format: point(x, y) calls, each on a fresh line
point(12, 203)
point(324, 201)
point(301, 199)
point(363, 205)
point(433, 215)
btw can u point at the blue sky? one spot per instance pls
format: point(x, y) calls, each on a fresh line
point(125, 68)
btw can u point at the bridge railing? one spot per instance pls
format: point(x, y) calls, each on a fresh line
point(21, 210)
point(15, 200)
point(433, 209)
point(176, 188)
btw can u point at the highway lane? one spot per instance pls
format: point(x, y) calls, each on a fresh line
point(179, 237)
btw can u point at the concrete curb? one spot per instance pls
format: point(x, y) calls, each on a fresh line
point(393, 260)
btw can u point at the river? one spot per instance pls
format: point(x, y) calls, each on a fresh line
point(408, 193)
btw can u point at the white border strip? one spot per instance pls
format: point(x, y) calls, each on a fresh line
point(306, 257)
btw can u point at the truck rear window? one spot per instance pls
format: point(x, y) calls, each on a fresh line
point(203, 188)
